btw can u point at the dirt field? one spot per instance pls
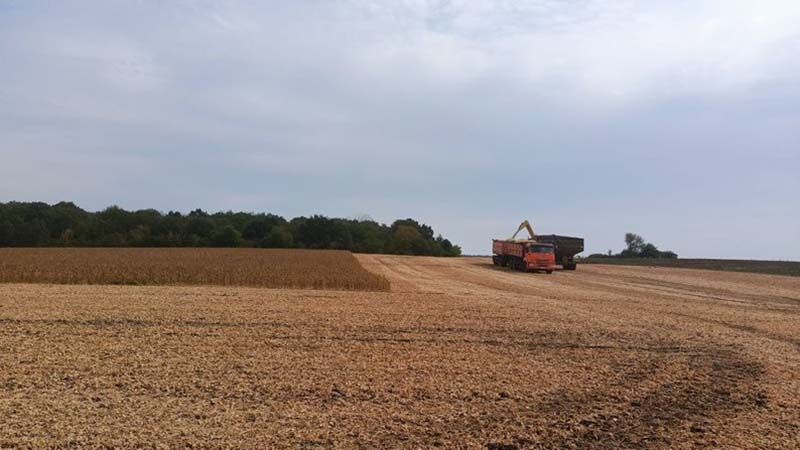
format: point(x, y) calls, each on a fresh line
point(458, 355)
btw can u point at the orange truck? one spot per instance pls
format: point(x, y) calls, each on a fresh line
point(539, 253)
point(524, 255)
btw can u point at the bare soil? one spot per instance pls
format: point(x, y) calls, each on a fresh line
point(458, 354)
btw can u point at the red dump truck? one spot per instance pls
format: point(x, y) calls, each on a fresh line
point(537, 253)
point(524, 255)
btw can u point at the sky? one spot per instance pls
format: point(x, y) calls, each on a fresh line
point(677, 120)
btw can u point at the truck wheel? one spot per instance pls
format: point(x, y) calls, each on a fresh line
point(570, 266)
point(549, 272)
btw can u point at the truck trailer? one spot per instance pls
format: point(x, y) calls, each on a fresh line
point(523, 255)
point(540, 252)
point(566, 247)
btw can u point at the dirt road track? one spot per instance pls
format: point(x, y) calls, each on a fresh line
point(459, 355)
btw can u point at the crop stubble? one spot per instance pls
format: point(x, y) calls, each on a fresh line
point(458, 355)
point(274, 268)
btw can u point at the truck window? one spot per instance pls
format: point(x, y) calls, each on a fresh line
point(541, 249)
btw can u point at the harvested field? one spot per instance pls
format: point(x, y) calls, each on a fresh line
point(790, 268)
point(458, 354)
point(317, 269)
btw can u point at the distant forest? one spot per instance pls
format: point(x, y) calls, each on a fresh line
point(66, 225)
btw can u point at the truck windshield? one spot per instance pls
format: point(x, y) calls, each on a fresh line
point(541, 249)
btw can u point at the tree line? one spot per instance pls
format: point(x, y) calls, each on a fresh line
point(637, 247)
point(65, 225)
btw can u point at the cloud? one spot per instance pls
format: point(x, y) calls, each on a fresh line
point(590, 117)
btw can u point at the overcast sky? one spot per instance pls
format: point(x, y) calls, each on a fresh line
point(678, 120)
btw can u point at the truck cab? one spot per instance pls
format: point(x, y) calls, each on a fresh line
point(539, 256)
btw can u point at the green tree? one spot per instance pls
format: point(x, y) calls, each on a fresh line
point(140, 236)
point(637, 247)
point(67, 238)
point(257, 229)
point(227, 236)
point(6, 233)
point(635, 243)
point(321, 232)
point(65, 224)
point(203, 227)
point(278, 237)
point(32, 234)
point(649, 251)
point(448, 249)
point(407, 240)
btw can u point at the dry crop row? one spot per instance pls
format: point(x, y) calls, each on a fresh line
point(317, 269)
